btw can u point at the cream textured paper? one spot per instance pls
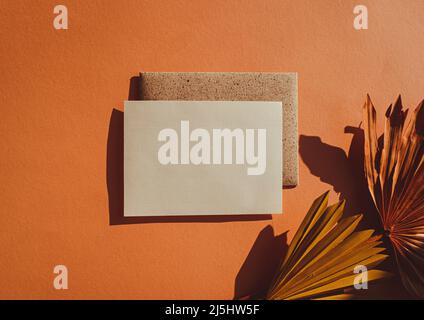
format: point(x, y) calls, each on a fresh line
point(152, 188)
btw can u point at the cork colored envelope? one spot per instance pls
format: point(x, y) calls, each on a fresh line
point(239, 86)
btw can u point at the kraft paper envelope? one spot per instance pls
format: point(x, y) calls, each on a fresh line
point(234, 86)
point(202, 158)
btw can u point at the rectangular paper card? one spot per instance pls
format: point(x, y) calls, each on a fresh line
point(202, 157)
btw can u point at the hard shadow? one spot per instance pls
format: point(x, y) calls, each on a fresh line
point(345, 172)
point(115, 167)
point(134, 91)
point(260, 266)
point(115, 176)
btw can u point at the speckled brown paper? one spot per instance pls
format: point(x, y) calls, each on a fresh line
point(237, 86)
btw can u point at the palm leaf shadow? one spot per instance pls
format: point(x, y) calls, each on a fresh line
point(345, 173)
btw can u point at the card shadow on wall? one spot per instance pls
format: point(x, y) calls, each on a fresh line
point(115, 176)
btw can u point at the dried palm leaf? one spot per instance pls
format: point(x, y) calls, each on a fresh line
point(395, 175)
point(323, 254)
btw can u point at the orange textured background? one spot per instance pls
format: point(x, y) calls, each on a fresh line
point(58, 89)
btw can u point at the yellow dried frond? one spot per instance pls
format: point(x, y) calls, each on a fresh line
point(325, 250)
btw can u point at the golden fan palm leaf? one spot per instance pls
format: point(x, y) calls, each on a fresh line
point(395, 175)
point(323, 254)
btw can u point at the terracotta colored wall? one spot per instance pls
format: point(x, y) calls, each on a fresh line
point(57, 93)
